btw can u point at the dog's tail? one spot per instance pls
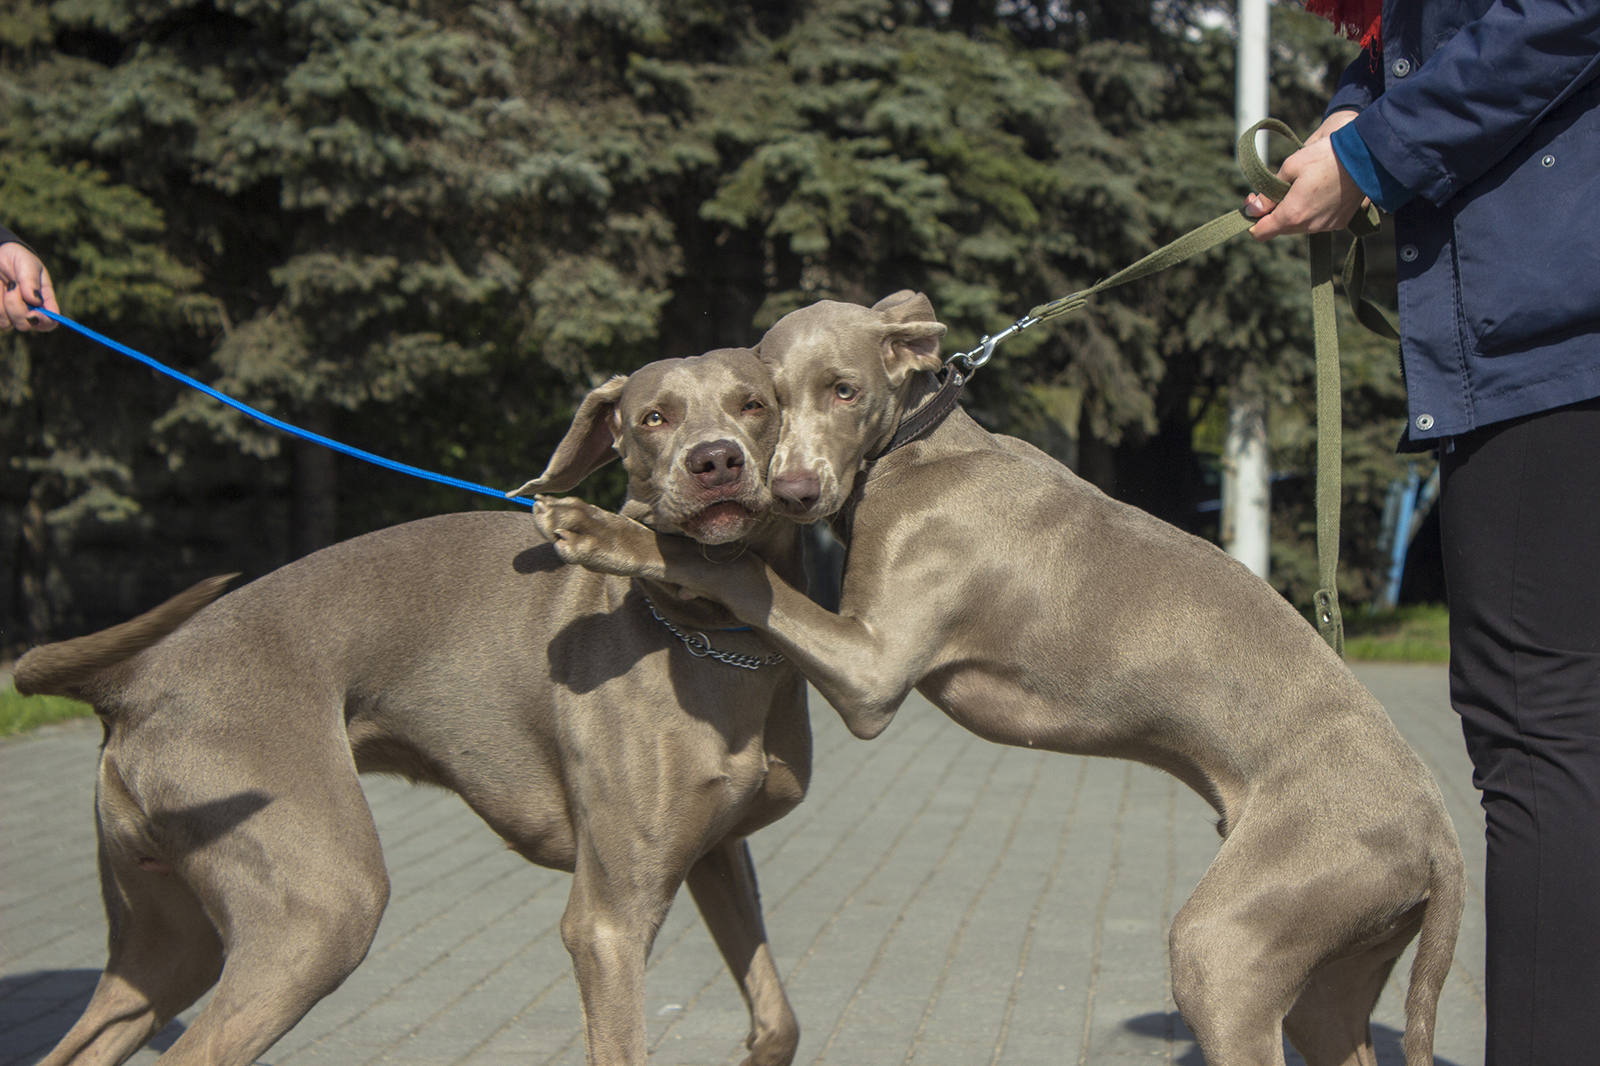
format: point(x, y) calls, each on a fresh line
point(65, 668)
point(1436, 945)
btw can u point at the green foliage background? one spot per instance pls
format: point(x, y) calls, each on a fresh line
point(426, 227)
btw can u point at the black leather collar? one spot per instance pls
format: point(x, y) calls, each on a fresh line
point(928, 417)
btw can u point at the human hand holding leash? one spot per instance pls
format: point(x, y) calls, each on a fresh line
point(1322, 195)
point(27, 286)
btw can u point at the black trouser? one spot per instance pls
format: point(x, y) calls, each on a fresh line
point(1520, 524)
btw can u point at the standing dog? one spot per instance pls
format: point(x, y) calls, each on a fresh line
point(236, 848)
point(1035, 610)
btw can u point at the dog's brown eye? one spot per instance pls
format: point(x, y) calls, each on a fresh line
point(845, 391)
point(755, 405)
point(652, 419)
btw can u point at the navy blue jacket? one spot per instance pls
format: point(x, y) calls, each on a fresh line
point(1489, 110)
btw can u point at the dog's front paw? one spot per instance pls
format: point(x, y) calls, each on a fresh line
point(598, 540)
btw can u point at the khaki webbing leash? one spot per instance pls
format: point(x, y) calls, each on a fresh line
point(1325, 334)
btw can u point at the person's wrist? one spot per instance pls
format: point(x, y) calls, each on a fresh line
point(1381, 187)
point(1332, 124)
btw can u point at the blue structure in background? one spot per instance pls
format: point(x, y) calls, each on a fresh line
point(1404, 507)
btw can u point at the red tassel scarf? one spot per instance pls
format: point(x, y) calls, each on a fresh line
point(1356, 19)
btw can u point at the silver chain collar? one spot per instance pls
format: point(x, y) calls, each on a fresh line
point(699, 646)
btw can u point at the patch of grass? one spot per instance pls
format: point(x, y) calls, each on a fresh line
point(1418, 633)
point(18, 714)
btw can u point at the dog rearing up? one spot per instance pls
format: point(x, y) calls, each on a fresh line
point(1037, 611)
point(236, 847)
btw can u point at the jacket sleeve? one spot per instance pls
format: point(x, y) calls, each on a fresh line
point(1473, 100)
point(1361, 83)
point(1381, 187)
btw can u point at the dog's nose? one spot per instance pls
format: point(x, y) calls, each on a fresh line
point(716, 463)
point(798, 490)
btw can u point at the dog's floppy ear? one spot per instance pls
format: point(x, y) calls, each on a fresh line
point(894, 299)
point(588, 445)
point(911, 335)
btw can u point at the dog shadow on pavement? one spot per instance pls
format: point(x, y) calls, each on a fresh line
point(1168, 1025)
point(40, 1006)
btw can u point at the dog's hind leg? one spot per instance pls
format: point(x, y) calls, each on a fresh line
point(1219, 994)
point(1234, 972)
point(723, 883)
point(296, 888)
point(164, 954)
point(1329, 1024)
point(1292, 929)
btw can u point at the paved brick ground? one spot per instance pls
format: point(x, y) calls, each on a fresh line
point(938, 899)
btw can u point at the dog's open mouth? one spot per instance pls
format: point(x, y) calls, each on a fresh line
point(721, 522)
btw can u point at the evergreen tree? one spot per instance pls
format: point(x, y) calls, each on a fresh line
point(428, 227)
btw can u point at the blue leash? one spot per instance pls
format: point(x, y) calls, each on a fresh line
point(294, 431)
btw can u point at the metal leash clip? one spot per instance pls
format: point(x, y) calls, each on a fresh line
point(971, 361)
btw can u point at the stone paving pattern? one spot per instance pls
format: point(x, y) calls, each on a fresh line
point(937, 900)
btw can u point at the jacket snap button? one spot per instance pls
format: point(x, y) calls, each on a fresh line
point(1549, 160)
point(1424, 422)
point(1401, 67)
point(1409, 253)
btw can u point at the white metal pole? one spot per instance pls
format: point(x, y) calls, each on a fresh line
point(1246, 482)
point(1251, 76)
